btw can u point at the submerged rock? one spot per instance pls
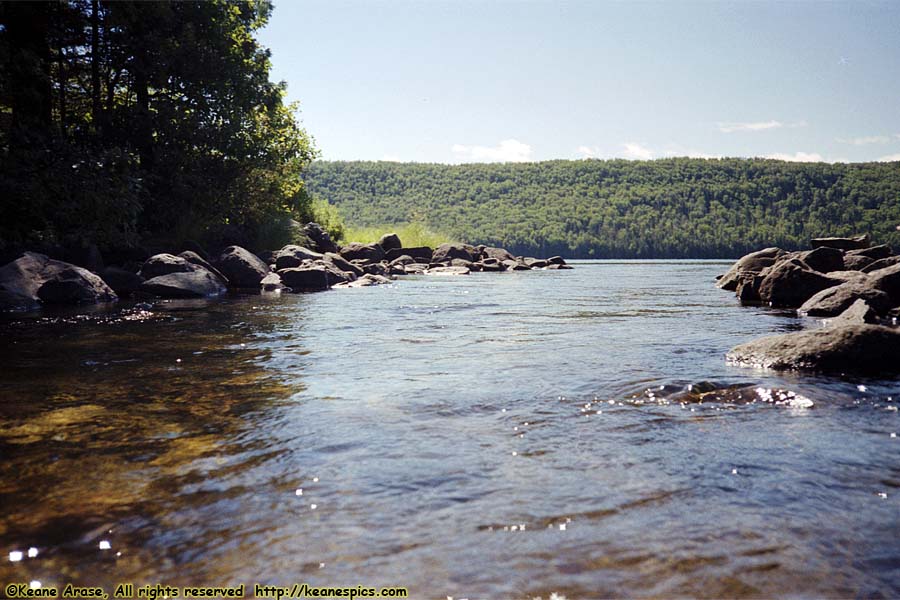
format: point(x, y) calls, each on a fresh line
point(845, 348)
point(447, 271)
point(272, 283)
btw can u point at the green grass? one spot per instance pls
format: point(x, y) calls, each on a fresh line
point(411, 234)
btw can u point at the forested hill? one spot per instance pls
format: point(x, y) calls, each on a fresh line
point(671, 208)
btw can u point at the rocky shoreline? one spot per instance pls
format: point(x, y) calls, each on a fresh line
point(34, 280)
point(851, 285)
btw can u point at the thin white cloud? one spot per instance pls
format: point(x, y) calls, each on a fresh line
point(757, 126)
point(635, 151)
point(797, 157)
point(869, 139)
point(890, 158)
point(588, 152)
point(505, 151)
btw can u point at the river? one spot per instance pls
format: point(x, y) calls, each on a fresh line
point(497, 435)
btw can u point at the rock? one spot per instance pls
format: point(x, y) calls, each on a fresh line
point(882, 263)
point(198, 283)
point(415, 268)
point(163, 264)
point(320, 238)
point(447, 271)
point(557, 266)
point(847, 276)
point(461, 262)
point(750, 263)
point(447, 252)
point(364, 281)
point(293, 256)
point(376, 269)
point(344, 265)
point(34, 278)
point(790, 284)
point(403, 260)
point(124, 283)
point(874, 252)
point(494, 267)
point(556, 260)
point(888, 280)
point(195, 259)
point(335, 274)
point(823, 259)
point(499, 254)
point(390, 241)
point(536, 263)
point(859, 313)
point(75, 285)
point(850, 243)
point(357, 251)
point(857, 263)
point(514, 265)
point(832, 301)
point(748, 288)
point(242, 268)
point(306, 279)
point(422, 254)
point(839, 349)
point(271, 283)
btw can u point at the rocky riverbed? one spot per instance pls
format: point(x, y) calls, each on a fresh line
point(35, 280)
point(849, 285)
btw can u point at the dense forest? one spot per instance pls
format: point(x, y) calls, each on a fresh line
point(673, 208)
point(125, 121)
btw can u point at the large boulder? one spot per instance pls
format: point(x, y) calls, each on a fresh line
point(321, 240)
point(293, 256)
point(367, 252)
point(875, 252)
point(242, 268)
point(122, 281)
point(198, 283)
point(849, 348)
point(314, 278)
point(34, 278)
point(500, 254)
point(881, 263)
point(163, 264)
point(271, 283)
point(750, 263)
point(390, 241)
point(888, 280)
point(536, 263)
point(196, 259)
point(823, 259)
point(833, 301)
point(422, 254)
point(556, 260)
point(447, 252)
point(855, 262)
point(790, 284)
point(858, 313)
point(849, 243)
point(343, 264)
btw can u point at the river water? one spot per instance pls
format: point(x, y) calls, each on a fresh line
point(482, 436)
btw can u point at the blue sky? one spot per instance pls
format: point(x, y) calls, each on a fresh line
point(433, 81)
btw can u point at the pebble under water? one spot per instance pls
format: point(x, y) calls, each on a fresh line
point(505, 435)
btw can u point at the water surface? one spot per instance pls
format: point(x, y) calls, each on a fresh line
point(497, 435)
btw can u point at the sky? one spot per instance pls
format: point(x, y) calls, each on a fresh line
point(460, 81)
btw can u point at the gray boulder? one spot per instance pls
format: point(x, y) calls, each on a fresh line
point(832, 301)
point(447, 252)
point(535, 263)
point(848, 243)
point(306, 279)
point(271, 283)
point(790, 284)
point(557, 266)
point(390, 241)
point(556, 260)
point(882, 263)
point(839, 349)
point(321, 239)
point(163, 264)
point(855, 262)
point(499, 254)
point(198, 283)
point(888, 280)
point(242, 268)
point(875, 252)
point(447, 271)
point(422, 254)
point(823, 259)
point(344, 265)
point(364, 281)
point(754, 262)
point(859, 313)
point(195, 259)
point(293, 256)
point(367, 252)
point(34, 278)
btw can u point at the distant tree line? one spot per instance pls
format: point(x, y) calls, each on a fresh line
point(128, 120)
point(672, 208)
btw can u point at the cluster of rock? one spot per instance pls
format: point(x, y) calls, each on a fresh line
point(34, 279)
point(848, 282)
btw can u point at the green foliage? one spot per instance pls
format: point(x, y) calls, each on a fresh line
point(672, 208)
point(177, 92)
point(411, 234)
point(329, 217)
